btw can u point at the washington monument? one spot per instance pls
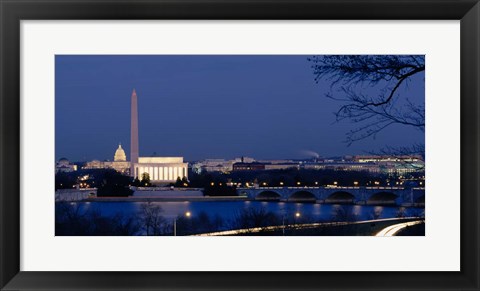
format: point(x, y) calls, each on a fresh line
point(133, 134)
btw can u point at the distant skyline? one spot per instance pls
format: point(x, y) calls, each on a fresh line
point(198, 107)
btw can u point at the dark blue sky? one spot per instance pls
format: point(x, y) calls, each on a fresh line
point(203, 107)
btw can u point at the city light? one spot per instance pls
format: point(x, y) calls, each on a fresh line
point(161, 187)
point(393, 229)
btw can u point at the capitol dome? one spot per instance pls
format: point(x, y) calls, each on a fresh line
point(120, 155)
point(63, 162)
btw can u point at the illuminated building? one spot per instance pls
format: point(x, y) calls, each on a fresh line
point(218, 165)
point(134, 151)
point(387, 159)
point(120, 155)
point(64, 166)
point(248, 166)
point(120, 163)
point(95, 164)
point(159, 169)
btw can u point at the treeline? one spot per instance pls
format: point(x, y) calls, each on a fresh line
point(291, 177)
point(107, 181)
point(73, 220)
point(111, 183)
point(225, 184)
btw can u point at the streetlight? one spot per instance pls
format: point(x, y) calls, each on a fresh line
point(187, 214)
point(281, 183)
point(297, 215)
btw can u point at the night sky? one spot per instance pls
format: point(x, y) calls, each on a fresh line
point(265, 107)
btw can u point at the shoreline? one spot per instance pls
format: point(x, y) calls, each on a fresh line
point(167, 199)
point(224, 199)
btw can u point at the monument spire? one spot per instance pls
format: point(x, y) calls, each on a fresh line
point(133, 134)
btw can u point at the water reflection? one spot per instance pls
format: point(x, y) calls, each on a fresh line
point(228, 209)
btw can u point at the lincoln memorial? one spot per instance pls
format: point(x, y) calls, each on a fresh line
point(161, 169)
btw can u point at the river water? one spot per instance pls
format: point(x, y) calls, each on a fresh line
point(227, 210)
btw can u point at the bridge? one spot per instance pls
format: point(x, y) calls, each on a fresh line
point(355, 195)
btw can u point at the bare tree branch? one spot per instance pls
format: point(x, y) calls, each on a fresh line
point(355, 77)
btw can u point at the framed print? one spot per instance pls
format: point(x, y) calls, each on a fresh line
point(237, 145)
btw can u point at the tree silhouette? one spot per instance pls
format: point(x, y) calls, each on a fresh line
point(373, 90)
point(136, 182)
point(178, 182)
point(113, 183)
point(145, 180)
point(151, 218)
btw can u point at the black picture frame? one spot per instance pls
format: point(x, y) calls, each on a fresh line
point(13, 11)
